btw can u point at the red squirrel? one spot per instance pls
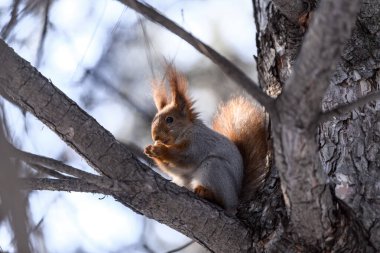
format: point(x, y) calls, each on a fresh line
point(224, 164)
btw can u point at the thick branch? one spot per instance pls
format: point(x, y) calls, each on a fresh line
point(302, 178)
point(226, 66)
point(323, 44)
point(147, 192)
point(339, 110)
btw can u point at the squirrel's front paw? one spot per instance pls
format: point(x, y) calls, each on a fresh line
point(152, 151)
point(149, 151)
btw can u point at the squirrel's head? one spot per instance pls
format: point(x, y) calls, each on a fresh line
point(175, 114)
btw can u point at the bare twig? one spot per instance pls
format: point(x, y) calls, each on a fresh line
point(47, 171)
point(55, 165)
point(340, 109)
point(226, 66)
point(13, 20)
point(103, 82)
point(44, 32)
point(147, 46)
point(30, 230)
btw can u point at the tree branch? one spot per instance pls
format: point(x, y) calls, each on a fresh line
point(43, 32)
point(340, 109)
point(47, 171)
point(13, 20)
point(302, 178)
point(323, 44)
point(55, 165)
point(69, 185)
point(147, 193)
point(225, 65)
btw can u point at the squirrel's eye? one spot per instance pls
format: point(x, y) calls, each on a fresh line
point(169, 120)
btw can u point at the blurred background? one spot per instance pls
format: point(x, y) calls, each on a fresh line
point(103, 56)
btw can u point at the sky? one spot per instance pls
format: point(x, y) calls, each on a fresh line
point(79, 32)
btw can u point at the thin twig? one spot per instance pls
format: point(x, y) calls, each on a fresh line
point(43, 33)
point(30, 230)
point(102, 81)
point(340, 109)
point(147, 47)
point(226, 66)
point(100, 181)
point(13, 20)
point(55, 165)
point(47, 171)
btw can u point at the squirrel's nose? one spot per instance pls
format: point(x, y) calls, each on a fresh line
point(156, 138)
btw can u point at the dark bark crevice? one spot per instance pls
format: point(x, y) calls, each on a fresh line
point(278, 45)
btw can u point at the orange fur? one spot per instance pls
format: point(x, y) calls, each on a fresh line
point(159, 94)
point(167, 153)
point(178, 90)
point(190, 152)
point(244, 124)
point(206, 193)
point(180, 99)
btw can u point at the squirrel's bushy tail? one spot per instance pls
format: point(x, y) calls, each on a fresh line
point(244, 123)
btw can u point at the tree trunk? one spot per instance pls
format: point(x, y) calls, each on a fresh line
point(348, 144)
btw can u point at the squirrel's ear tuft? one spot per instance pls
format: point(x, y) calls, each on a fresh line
point(159, 94)
point(180, 99)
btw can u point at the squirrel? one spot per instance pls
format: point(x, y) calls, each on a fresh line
point(225, 164)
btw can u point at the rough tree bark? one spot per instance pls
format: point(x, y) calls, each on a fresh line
point(322, 192)
point(348, 143)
